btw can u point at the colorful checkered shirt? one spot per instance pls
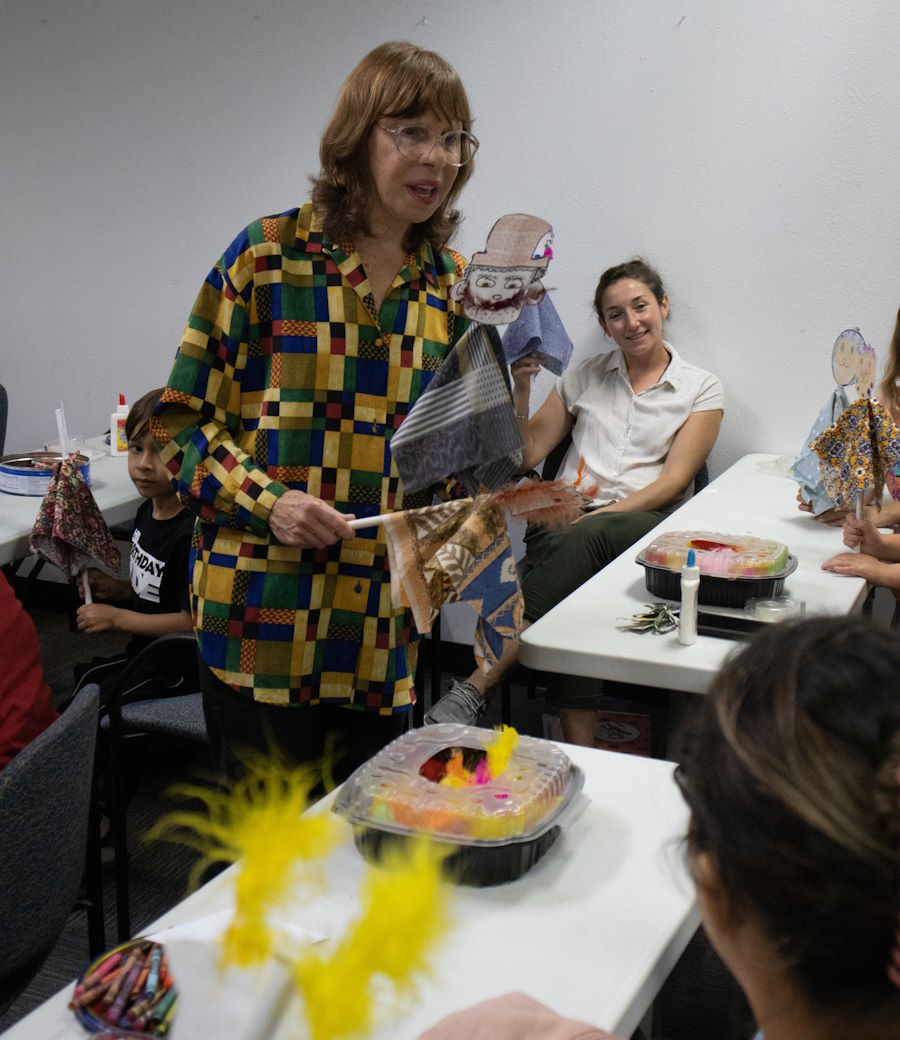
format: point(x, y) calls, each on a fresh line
point(287, 378)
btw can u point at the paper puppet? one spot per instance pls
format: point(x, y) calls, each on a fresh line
point(865, 371)
point(507, 275)
point(846, 354)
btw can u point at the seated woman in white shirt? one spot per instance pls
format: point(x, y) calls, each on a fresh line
point(642, 422)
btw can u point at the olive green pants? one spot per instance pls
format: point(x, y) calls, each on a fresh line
point(558, 561)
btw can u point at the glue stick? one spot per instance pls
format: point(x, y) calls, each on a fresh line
point(690, 585)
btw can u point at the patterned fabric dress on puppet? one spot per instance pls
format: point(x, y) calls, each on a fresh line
point(845, 357)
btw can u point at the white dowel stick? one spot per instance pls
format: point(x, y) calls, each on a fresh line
point(374, 521)
point(368, 521)
point(62, 431)
point(859, 514)
point(86, 585)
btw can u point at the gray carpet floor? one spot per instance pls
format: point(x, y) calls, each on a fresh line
point(699, 1002)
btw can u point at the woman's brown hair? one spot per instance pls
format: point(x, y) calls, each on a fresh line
point(790, 770)
point(395, 79)
point(890, 387)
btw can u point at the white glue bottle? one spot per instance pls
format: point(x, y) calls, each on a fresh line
point(690, 585)
point(118, 439)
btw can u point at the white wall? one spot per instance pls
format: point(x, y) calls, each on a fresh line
point(749, 149)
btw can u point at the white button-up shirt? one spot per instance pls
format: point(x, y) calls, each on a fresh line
point(624, 437)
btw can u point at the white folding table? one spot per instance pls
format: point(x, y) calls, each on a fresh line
point(582, 634)
point(592, 930)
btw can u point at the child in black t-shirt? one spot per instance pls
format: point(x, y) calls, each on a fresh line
point(156, 599)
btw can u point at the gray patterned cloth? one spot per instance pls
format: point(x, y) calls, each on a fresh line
point(539, 330)
point(464, 424)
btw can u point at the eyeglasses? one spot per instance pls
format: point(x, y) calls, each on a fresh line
point(417, 143)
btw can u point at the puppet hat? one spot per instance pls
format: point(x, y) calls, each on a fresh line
point(513, 241)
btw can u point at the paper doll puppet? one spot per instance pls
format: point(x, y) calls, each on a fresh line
point(507, 275)
point(852, 361)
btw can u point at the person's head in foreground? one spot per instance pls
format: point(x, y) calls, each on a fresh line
point(791, 770)
point(397, 150)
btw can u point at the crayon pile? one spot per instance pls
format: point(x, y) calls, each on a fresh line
point(127, 992)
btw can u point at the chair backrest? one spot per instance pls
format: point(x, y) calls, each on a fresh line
point(45, 794)
point(555, 459)
point(4, 410)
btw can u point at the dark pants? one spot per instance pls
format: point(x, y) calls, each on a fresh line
point(303, 733)
point(557, 562)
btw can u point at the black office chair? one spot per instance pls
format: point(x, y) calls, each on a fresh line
point(45, 816)
point(147, 708)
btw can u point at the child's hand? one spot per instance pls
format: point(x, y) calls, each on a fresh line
point(103, 586)
point(862, 534)
point(96, 617)
point(833, 516)
point(858, 565)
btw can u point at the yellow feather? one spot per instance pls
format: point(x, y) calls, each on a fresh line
point(404, 913)
point(404, 902)
point(499, 749)
point(260, 822)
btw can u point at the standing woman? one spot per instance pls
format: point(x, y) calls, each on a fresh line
point(311, 339)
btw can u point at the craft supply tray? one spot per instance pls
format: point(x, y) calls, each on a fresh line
point(93, 1016)
point(29, 473)
point(733, 568)
point(496, 830)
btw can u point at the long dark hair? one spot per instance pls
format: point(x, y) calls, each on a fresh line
point(790, 770)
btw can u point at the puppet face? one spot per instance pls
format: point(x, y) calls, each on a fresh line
point(844, 360)
point(865, 373)
point(496, 295)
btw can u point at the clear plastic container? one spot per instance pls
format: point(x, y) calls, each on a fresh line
point(499, 829)
point(719, 555)
point(733, 568)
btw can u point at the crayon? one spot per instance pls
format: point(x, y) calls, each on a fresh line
point(163, 1010)
point(102, 969)
point(166, 1020)
point(156, 958)
point(117, 1008)
point(142, 978)
point(122, 974)
point(145, 1007)
point(88, 996)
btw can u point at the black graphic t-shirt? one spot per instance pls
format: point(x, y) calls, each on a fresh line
point(158, 567)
